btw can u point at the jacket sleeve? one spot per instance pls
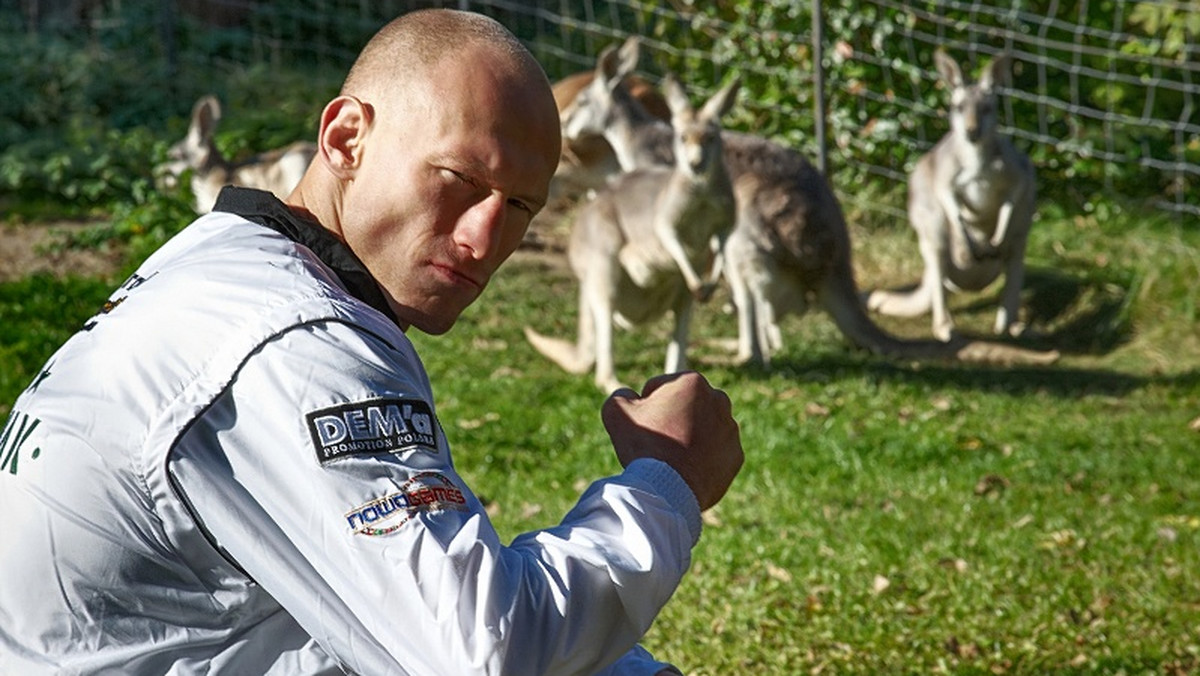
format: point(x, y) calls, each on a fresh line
point(638, 662)
point(322, 473)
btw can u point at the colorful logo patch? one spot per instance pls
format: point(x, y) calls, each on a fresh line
point(425, 492)
point(371, 428)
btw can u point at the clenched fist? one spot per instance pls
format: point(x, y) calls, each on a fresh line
point(683, 421)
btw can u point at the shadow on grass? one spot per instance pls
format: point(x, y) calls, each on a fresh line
point(1053, 380)
point(1074, 315)
point(1069, 314)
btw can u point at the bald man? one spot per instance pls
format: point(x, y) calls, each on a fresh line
point(236, 466)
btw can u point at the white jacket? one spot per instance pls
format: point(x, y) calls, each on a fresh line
point(236, 468)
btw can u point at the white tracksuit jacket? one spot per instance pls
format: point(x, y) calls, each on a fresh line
point(235, 468)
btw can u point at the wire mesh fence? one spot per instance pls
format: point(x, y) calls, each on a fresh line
point(1103, 95)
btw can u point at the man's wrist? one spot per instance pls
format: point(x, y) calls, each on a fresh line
point(669, 484)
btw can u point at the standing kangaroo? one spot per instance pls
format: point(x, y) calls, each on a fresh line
point(971, 202)
point(790, 245)
point(277, 170)
point(646, 243)
point(587, 160)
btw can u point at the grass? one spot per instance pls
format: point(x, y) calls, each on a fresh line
point(891, 518)
point(37, 314)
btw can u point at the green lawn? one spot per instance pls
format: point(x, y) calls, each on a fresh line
point(891, 518)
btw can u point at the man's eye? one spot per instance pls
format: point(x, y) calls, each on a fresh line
point(521, 205)
point(458, 176)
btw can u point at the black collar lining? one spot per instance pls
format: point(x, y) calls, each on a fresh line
point(263, 208)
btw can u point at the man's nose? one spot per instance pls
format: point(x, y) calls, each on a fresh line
point(481, 227)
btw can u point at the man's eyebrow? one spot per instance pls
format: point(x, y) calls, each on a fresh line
point(478, 170)
point(535, 203)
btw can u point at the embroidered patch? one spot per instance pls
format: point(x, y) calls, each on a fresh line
point(372, 427)
point(425, 492)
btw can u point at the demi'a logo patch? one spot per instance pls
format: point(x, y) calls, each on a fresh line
point(372, 427)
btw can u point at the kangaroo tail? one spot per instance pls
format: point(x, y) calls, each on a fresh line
point(564, 353)
point(910, 303)
point(841, 299)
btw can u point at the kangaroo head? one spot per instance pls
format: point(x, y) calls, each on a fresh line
point(196, 151)
point(973, 114)
point(595, 108)
point(697, 132)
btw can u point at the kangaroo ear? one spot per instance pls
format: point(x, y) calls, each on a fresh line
point(720, 103)
point(205, 115)
point(608, 66)
point(948, 68)
point(995, 73)
point(629, 53)
point(677, 98)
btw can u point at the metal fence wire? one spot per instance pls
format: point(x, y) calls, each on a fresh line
point(1102, 96)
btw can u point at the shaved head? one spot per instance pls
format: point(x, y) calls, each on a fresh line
point(414, 44)
point(434, 159)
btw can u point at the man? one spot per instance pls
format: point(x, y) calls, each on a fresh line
point(236, 466)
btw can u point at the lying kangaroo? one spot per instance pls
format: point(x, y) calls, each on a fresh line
point(790, 245)
point(644, 244)
point(277, 171)
point(587, 160)
point(971, 202)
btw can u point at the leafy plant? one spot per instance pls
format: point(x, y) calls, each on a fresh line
point(138, 228)
point(1178, 24)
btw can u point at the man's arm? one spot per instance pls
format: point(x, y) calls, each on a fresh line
point(387, 558)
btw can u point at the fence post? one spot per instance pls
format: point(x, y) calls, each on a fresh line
point(166, 28)
point(819, 86)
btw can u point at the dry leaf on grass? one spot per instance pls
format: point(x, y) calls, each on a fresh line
point(476, 423)
point(961, 650)
point(991, 485)
point(880, 584)
point(956, 565)
point(777, 573)
point(490, 506)
point(814, 410)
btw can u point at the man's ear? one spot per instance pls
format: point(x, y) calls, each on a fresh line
point(344, 125)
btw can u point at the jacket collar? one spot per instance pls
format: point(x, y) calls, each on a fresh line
point(263, 208)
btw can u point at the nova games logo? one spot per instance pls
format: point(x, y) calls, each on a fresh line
point(372, 427)
point(425, 492)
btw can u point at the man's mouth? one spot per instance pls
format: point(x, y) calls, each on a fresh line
point(459, 275)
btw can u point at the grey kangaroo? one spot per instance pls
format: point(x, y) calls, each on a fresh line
point(971, 202)
point(277, 170)
point(790, 246)
point(646, 243)
point(587, 161)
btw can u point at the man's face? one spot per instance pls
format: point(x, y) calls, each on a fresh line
point(450, 176)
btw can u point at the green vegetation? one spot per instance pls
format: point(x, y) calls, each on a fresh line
point(892, 518)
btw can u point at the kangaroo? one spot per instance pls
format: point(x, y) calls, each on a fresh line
point(971, 202)
point(790, 247)
point(645, 243)
point(277, 171)
point(587, 160)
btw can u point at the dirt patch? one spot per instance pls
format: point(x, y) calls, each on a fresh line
point(31, 248)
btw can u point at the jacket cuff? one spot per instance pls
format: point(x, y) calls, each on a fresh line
point(668, 484)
